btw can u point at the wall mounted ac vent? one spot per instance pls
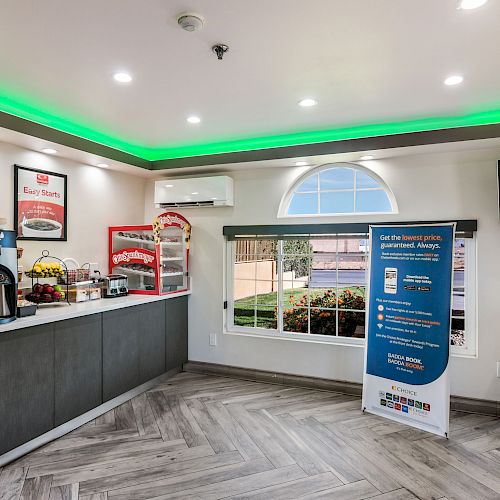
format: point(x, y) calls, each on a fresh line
point(187, 204)
point(216, 191)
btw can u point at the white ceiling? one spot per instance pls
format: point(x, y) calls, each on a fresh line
point(365, 61)
point(465, 151)
point(473, 151)
point(35, 144)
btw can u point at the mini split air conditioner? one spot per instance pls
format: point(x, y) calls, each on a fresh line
point(214, 191)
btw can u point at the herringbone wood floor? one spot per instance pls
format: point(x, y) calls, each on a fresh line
point(211, 437)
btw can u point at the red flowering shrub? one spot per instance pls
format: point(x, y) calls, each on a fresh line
point(349, 320)
point(323, 313)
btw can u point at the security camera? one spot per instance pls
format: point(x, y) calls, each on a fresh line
point(220, 49)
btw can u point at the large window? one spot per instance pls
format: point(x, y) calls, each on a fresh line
point(463, 319)
point(314, 287)
point(338, 189)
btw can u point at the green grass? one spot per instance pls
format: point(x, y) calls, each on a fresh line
point(270, 299)
point(248, 321)
point(244, 309)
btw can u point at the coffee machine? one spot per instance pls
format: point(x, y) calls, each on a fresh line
point(8, 276)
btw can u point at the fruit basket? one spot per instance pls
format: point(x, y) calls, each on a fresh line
point(43, 272)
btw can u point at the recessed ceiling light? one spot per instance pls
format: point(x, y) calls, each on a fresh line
point(102, 165)
point(169, 185)
point(454, 80)
point(193, 119)
point(367, 157)
point(301, 163)
point(122, 77)
point(49, 151)
point(470, 4)
point(195, 192)
point(308, 102)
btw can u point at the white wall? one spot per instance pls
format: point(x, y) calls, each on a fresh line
point(427, 187)
point(97, 198)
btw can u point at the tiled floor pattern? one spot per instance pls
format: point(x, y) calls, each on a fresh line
point(207, 437)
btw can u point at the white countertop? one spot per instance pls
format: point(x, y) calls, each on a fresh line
point(51, 313)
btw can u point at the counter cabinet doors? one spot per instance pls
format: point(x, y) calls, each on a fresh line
point(78, 366)
point(177, 332)
point(152, 340)
point(26, 385)
point(133, 347)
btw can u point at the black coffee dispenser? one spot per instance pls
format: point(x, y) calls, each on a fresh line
point(8, 276)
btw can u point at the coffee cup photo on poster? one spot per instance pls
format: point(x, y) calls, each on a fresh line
point(40, 204)
point(42, 228)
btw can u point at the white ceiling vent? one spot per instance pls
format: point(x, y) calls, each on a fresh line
point(216, 191)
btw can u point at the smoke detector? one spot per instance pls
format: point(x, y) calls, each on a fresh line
point(190, 22)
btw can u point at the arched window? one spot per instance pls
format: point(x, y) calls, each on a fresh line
point(338, 189)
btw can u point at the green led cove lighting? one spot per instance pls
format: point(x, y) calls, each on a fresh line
point(35, 113)
point(29, 111)
point(336, 134)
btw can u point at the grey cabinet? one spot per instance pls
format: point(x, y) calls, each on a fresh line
point(78, 366)
point(133, 347)
point(151, 340)
point(52, 373)
point(176, 332)
point(120, 351)
point(26, 385)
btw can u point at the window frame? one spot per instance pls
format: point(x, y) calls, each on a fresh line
point(469, 349)
point(274, 333)
point(292, 190)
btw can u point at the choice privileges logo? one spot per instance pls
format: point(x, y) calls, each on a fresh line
point(403, 390)
point(42, 179)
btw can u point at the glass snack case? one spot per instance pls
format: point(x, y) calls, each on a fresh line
point(155, 257)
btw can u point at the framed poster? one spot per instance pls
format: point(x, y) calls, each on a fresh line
point(40, 204)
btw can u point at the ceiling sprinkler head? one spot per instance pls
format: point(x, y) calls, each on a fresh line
point(220, 49)
point(190, 22)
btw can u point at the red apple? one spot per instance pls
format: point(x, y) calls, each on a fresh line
point(34, 297)
point(38, 288)
point(56, 296)
point(46, 297)
point(48, 289)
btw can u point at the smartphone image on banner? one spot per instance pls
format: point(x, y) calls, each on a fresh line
point(390, 280)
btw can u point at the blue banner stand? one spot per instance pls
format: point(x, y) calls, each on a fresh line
point(409, 321)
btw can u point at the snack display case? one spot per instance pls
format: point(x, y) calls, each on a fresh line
point(155, 257)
